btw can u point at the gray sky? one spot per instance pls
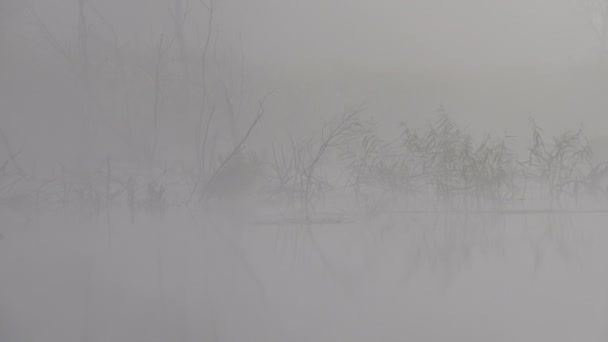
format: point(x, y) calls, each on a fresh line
point(431, 33)
point(469, 33)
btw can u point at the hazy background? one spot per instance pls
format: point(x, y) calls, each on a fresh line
point(492, 65)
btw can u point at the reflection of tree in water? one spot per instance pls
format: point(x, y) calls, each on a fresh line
point(449, 243)
point(553, 236)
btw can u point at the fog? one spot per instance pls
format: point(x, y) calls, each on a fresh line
point(282, 170)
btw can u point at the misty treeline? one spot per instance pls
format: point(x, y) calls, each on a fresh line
point(348, 168)
point(172, 125)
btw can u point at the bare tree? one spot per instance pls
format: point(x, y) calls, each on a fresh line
point(178, 14)
point(80, 64)
point(200, 158)
point(215, 173)
point(157, 81)
point(297, 174)
point(598, 20)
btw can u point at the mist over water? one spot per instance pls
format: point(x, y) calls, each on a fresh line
point(269, 170)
